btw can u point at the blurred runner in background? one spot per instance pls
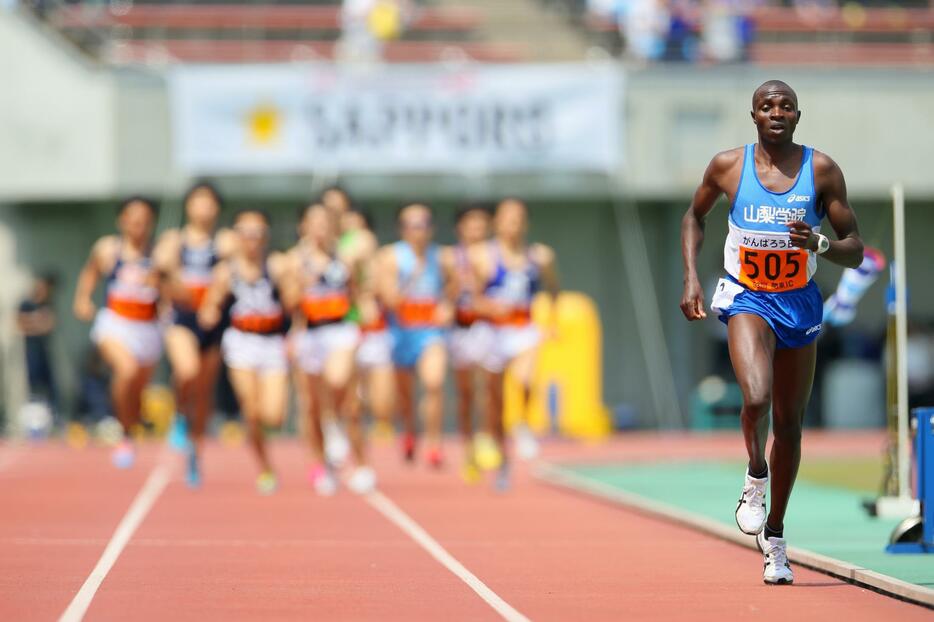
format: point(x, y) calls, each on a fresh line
point(186, 257)
point(417, 284)
point(126, 330)
point(261, 297)
point(509, 273)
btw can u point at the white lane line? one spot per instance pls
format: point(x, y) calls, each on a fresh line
point(134, 516)
point(403, 521)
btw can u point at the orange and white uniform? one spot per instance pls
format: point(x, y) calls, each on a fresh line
point(130, 313)
point(326, 304)
point(255, 338)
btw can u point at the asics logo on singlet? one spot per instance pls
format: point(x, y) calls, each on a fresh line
point(802, 198)
point(813, 329)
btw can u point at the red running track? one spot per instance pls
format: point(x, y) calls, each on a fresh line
point(225, 553)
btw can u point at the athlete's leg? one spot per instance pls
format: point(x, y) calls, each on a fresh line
point(314, 397)
point(381, 392)
point(245, 383)
point(204, 394)
point(353, 413)
point(338, 376)
point(523, 370)
point(794, 375)
point(494, 409)
point(181, 347)
point(464, 379)
point(405, 383)
point(752, 348)
point(274, 395)
point(125, 371)
point(431, 368)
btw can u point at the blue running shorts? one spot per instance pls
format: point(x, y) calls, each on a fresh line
point(795, 316)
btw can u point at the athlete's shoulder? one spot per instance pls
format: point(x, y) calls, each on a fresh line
point(225, 242)
point(542, 254)
point(105, 249)
point(278, 264)
point(823, 163)
point(168, 246)
point(726, 160)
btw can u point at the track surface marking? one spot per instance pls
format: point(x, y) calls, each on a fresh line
point(225, 553)
point(390, 510)
point(148, 494)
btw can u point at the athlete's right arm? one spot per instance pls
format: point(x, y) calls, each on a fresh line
point(211, 309)
point(692, 232)
point(166, 257)
point(90, 274)
point(387, 278)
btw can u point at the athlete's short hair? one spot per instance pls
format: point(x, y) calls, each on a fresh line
point(257, 211)
point(485, 207)
point(511, 199)
point(365, 214)
point(774, 85)
point(337, 188)
point(408, 204)
point(204, 184)
point(304, 209)
point(149, 202)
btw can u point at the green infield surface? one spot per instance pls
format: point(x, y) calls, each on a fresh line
point(825, 515)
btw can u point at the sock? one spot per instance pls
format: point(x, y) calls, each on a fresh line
point(774, 533)
point(763, 474)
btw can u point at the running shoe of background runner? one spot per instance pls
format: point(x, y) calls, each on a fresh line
point(124, 455)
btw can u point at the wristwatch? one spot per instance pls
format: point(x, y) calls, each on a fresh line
point(823, 244)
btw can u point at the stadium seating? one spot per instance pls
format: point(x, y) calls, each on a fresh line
point(850, 36)
point(240, 31)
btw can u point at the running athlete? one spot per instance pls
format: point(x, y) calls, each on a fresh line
point(126, 330)
point(187, 257)
point(509, 273)
point(261, 296)
point(416, 278)
point(470, 339)
point(374, 356)
point(327, 347)
point(778, 192)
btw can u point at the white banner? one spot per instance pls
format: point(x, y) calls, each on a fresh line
point(396, 118)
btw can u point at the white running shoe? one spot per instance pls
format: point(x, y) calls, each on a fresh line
point(336, 445)
point(526, 443)
point(777, 569)
point(362, 480)
point(323, 481)
point(750, 511)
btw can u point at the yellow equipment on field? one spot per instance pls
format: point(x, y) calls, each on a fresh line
point(568, 382)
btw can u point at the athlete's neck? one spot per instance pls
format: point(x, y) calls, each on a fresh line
point(420, 249)
point(513, 244)
point(140, 245)
point(773, 153)
point(198, 231)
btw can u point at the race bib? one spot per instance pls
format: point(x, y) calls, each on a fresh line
point(773, 270)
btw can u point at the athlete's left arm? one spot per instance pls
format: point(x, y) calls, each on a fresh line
point(544, 256)
point(226, 243)
point(445, 312)
point(284, 274)
point(847, 249)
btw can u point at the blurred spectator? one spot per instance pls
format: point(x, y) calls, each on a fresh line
point(94, 388)
point(36, 320)
point(367, 24)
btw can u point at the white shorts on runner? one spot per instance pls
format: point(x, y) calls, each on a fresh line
point(142, 339)
point(508, 343)
point(315, 345)
point(254, 351)
point(468, 345)
point(375, 349)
